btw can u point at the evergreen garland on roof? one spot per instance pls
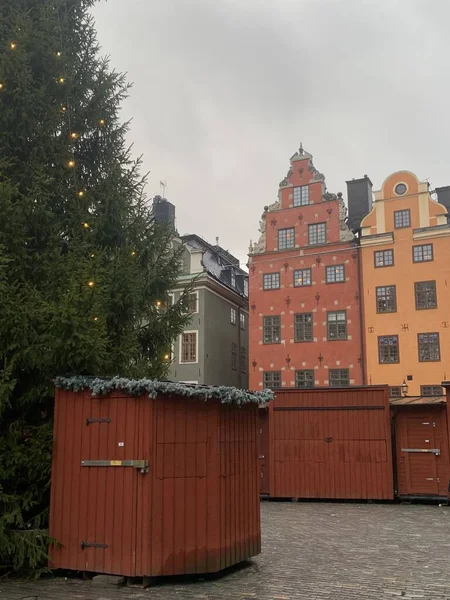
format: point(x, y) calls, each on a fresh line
point(138, 387)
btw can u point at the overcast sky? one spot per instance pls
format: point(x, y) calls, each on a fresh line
point(225, 90)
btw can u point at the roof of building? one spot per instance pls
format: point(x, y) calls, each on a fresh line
point(417, 400)
point(218, 262)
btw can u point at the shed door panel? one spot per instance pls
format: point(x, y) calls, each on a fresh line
point(421, 467)
point(107, 506)
point(321, 452)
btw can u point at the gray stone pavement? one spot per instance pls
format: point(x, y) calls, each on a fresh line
point(313, 551)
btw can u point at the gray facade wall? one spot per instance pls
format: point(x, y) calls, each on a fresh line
point(216, 334)
point(220, 335)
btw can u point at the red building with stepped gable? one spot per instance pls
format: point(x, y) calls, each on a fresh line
point(304, 294)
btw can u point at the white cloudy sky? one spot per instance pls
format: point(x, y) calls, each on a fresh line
point(225, 90)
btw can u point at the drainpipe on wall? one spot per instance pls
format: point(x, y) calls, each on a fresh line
point(361, 315)
point(238, 325)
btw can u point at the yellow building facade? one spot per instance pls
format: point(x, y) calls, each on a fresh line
point(405, 264)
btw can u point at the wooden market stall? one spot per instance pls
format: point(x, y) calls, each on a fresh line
point(327, 443)
point(421, 447)
point(154, 478)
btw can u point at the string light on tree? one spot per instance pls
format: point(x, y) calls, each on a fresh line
point(91, 284)
point(80, 193)
point(61, 80)
point(59, 53)
point(74, 135)
point(166, 356)
point(71, 164)
point(1, 86)
point(13, 45)
point(63, 108)
point(95, 318)
point(102, 122)
point(92, 255)
point(158, 303)
point(86, 225)
point(133, 253)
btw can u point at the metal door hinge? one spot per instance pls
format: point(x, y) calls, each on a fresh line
point(91, 420)
point(92, 545)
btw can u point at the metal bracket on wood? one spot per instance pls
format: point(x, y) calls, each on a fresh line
point(423, 450)
point(137, 464)
point(101, 420)
point(92, 545)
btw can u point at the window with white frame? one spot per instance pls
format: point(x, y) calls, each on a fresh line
point(233, 279)
point(193, 302)
point(271, 281)
point(242, 320)
point(233, 315)
point(246, 287)
point(317, 234)
point(188, 347)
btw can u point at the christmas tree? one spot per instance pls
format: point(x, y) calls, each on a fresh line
point(84, 270)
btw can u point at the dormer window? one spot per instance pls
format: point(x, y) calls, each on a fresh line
point(233, 279)
point(301, 195)
point(246, 288)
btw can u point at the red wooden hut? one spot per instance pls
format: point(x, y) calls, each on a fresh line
point(421, 447)
point(153, 478)
point(327, 443)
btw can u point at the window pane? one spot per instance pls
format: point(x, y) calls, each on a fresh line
point(386, 299)
point(384, 258)
point(301, 195)
point(272, 330)
point(423, 253)
point(317, 234)
point(431, 390)
point(302, 277)
point(271, 281)
point(339, 377)
point(189, 347)
point(303, 327)
point(233, 316)
point(335, 274)
point(272, 379)
point(402, 218)
point(286, 238)
point(429, 350)
point(243, 359)
point(395, 391)
point(426, 296)
point(337, 325)
point(304, 379)
point(388, 349)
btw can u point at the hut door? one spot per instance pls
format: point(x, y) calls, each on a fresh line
point(421, 456)
point(110, 472)
point(263, 451)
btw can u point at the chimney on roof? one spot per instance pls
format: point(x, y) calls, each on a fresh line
point(443, 194)
point(163, 211)
point(359, 199)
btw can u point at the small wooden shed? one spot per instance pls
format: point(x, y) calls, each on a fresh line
point(421, 446)
point(327, 443)
point(153, 478)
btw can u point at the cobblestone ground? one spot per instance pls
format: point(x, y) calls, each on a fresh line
point(310, 552)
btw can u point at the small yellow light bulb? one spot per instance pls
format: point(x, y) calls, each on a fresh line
point(1, 86)
point(80, 194)
point(101, 122)
point(13, 45)
point(63, 108)
point(71, 164)
point(133, 253)
point(166, 356)
point(61, 80)
point(74, 135)
point(158, 304)
point(91, 284)
point(92, 255)
point(86, 225)
point(95, 318)
point(58, 54)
